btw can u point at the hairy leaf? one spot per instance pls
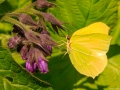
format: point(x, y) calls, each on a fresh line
point(116, 31)
point(10, 5)
point(15, 77)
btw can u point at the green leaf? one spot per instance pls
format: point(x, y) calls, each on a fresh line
point(10, 5)
point(17, 57)
point(5, 27)
point(2, 1)
point(116, 30)
point(4, 40)
point(3, 9)
point(15, 77)
point(80, 13)
point(110, 78)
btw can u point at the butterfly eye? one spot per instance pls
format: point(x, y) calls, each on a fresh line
point(68, 37)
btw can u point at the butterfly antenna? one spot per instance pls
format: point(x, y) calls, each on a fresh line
point(64, 54)
point(61, 41)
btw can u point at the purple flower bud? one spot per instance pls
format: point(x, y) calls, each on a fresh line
point(31, 67)
point(10, 44)
point(42, 65)
point(51, 18)
point(44, 31)
point(27, 19)
point(24, 52)
point(54, 22)
point(14, 41)
point(49, 48)
point(44, 4)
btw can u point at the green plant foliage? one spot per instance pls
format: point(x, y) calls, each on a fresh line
point(15, 77)
point(10, 5)
point(116, 31)
point(75, 14)
point(4, 39)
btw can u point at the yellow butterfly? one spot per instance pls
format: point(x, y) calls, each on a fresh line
point(87, 49)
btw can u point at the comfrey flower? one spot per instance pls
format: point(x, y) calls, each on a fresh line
point(13, 42)
point(24, 51)
point(49, 48)
point(31, 67)
point(26, 19)
point(35, 58)
point(35, 46)
point(42, 65)
point(44, 31)
point(32, 40)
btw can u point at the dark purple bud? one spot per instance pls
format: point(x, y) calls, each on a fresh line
point(49, 48)
point(44, 4)
point(41, 40)
point(10, 44)
point(24, 52)
point(51, 18)
point(27, 19)
point(44, 31)
point(47, 40)
point(14, 41)
point(31, 67)
point(18, 30)
point(30, 35)
point(42, 65)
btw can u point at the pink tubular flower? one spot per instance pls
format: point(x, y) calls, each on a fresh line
point(42, 65)
point(31, 67)
point(49, 48)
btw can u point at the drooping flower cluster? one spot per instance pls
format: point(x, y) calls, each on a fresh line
point(33, 40)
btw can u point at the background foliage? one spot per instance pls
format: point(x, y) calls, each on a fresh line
point(75, 14)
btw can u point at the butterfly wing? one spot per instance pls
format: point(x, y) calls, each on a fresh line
point(97, 27)
point(87, 52)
